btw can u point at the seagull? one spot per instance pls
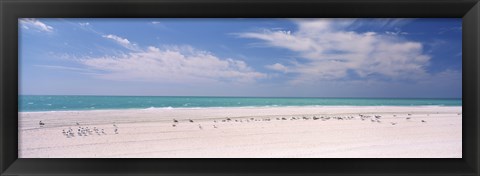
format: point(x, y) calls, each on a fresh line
point(41, 123)
point(215, 126)
point(200, 126)
point(96, 130)
point(190, 120)
point(173, 125)
point(393, 123)
point(65, 133)
point(175, 121)
point(84, 132)
point(89, 131)
point(424, 121)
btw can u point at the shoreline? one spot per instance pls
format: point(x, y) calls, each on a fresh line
point(273, 132)
point(242, 107)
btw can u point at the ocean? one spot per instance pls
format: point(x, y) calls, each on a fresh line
point(34, 103)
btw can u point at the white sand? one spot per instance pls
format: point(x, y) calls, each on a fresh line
point(149, 133)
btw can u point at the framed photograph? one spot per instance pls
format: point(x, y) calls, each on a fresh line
point(244, 87)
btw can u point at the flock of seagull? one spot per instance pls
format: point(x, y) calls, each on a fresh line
point(83, 131)
point(371, 118)
point(86, 131)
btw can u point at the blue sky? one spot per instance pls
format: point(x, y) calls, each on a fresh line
point(242, 57)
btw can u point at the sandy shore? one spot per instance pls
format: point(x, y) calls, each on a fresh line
point(336, 132)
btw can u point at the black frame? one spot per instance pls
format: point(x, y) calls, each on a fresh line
point(11, 10)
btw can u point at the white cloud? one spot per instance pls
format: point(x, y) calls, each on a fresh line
point(71, 69)
point(159, 25)
point(29, 23)
point(277, 67)
point(84, 24)
point(396, 33)
point(392, 22)
point(60, 67)
point(122, 41)
point(450, 29)
point(172, 64)
point(329, 51)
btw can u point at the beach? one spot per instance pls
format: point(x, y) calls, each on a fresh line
point(245, 132)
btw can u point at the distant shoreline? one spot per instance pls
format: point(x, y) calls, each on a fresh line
point(239, 107)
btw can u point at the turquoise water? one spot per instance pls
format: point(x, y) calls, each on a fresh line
point(29, 103)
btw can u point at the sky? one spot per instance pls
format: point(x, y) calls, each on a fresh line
point(370, 57)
